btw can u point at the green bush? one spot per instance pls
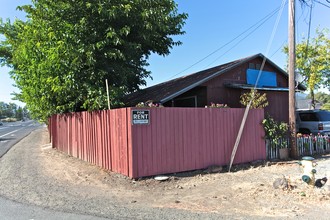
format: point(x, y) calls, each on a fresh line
point(275, 131)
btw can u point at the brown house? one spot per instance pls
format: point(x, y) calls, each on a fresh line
point(223, 84)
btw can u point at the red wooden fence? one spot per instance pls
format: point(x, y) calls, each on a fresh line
point(173, 140)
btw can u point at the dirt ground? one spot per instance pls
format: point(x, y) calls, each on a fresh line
point(248, 190)
point(245, 193)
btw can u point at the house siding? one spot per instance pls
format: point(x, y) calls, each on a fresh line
point(278, 106)
point(223, 84)
point(217, 91)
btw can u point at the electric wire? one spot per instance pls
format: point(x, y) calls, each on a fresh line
point(309, 29)
point(251, 32)
point(280, 47)
point(308, 38)
point(267, 17)
point(323, 3)
point(285, 41)
point(246, 112)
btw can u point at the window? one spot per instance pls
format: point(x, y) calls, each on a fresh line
point(186, 102)
point(323, 116)
point(308, 117)
point(265, 79)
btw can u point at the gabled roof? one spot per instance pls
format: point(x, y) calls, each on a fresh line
point(166, 91)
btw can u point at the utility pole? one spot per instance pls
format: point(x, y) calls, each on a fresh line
point(291, 69)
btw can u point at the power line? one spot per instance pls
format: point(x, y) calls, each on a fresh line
point(278, 48)
point(263, 20)
point(285, 41)
point(309, 29)
point(236, 43)
point(246, 37)
point(246, 112)
point(297, 27)
point(323, 3)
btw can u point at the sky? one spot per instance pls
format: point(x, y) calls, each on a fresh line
point(217, 31)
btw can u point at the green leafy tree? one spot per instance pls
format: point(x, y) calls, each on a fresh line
point(26, 113)
point(10, 110)
point(313, 62)
point(326, 106)
point(324, 98)
point(19, 113)
point(321, 97)
point(65, 50)
point(2, 109)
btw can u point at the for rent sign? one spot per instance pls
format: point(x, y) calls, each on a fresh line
point(140, 117)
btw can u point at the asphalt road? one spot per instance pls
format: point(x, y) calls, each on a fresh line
point(10, 210)
point(13, 132)
point(10, 134)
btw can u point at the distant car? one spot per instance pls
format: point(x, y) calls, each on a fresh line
point(313, 122)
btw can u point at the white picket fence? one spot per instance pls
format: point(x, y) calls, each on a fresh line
point(307, 145)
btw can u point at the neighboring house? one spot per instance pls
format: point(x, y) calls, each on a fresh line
point(307, 104)
point(223, 84)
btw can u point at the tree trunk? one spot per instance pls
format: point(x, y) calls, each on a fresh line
point(312, 99)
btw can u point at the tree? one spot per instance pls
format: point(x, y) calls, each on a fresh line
point(313, 62)
point(326, 106)
point(11, 110)
point(2, 109)
point(321, 97)
point(324, 98)
point(25, 112)
point(19, 113)
point(65, 50)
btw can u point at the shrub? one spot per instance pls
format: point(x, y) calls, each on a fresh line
point(275, 131)
point(258, 100)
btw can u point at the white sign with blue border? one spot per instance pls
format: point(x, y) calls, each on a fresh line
point(140, 117)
